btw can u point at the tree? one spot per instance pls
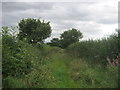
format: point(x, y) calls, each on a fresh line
point(34, 30)
point(69, 37)
point(54, 42)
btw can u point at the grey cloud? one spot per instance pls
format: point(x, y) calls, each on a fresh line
point(62, 15)
point(65, 24)
point(108, 21)
point(84, 12)
point(16, 7)
point(59, 11)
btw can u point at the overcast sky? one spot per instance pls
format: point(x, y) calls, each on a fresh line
point(94, 19)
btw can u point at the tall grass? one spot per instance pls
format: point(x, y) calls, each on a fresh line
point(98, 50)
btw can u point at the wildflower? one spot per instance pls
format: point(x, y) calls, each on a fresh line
point(113, 63)
point(118, 64)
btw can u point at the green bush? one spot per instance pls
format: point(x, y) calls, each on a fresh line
point(96, 49)
point(13, 82)
point(15, 61)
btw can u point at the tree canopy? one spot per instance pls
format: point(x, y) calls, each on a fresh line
point(69, 37)
point(54, 42)
point(34, 30)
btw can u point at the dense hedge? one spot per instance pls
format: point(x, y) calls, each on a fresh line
point(97, 49)
point(15, 60)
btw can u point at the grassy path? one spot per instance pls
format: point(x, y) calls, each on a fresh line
point(61, 72)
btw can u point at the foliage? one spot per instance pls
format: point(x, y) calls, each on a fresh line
point(69, 37)
point(63, 71)
point(27, 65)
point(14, 58)
point(13, 82)
point(96, 49)
point(34, 30)
point(90, 76)
point(54, 42)
point(55, 68)
point(118, 39)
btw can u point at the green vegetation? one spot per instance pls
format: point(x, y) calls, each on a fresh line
point(98, 50)
point(67, 38)
point(34, 30)
point(85, 64)
point(15, 58)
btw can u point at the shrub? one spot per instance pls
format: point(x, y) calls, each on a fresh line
point(14, 59)
point(12, 82)
point(96, 49)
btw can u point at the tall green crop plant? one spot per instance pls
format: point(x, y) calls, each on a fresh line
point(96, 49)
